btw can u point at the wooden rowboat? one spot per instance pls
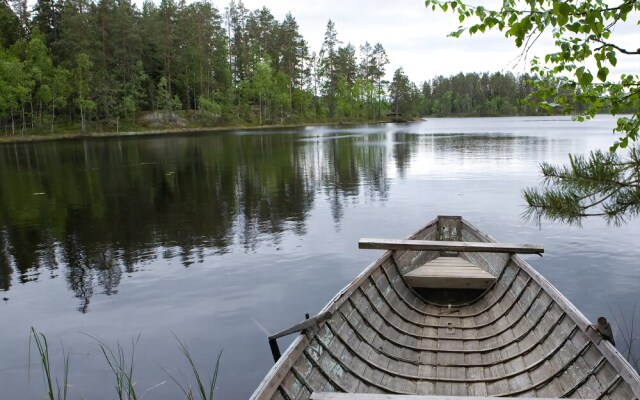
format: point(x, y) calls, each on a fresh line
point(448, 312)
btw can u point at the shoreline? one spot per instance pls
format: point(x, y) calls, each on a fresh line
point(19, 138)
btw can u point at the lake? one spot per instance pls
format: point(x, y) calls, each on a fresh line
point(219, 239)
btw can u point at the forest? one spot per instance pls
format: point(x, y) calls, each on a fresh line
point(105, 66)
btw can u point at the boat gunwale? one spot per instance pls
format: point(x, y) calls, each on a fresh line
point(608, 350)
point(612, 355)
point(269, 385)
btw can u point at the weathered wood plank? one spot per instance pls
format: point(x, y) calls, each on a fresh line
point(607, 349)
point(313, 321)
point(441, 245)
point(363, 396)
point(534, 335)
point(270, 383)
point(449, 273)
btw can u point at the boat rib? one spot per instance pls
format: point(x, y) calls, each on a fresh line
point(518, 338)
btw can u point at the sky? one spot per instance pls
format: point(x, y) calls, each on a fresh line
point(415, 37)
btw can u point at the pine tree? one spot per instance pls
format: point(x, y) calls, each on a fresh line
point(293, 53)
point(46, 19)
point(23, 13)
point(9, 25)
point(380, 61)
point(400, 92)
point(327, 66)
point(76, 32)
point(603, 184)
point(82, 77)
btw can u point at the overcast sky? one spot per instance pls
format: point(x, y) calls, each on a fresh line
point(415, 38)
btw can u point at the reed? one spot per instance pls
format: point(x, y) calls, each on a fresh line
point(204, 389)
point(122, 368)
point(629, 331)
point(42, 345)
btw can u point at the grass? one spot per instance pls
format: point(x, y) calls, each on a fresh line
point(42, 346)
point(629, 331)
point(122, 366)
point(122, 371)
point(201, 387)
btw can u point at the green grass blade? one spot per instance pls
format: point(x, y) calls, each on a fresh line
point(214, 377)
point(43, 349)
point(42, 345)
point(201, 388)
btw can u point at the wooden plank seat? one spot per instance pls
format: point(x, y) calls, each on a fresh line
point(449, 273)
point(442, 245)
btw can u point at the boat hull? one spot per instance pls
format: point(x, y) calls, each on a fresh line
point(518, 338)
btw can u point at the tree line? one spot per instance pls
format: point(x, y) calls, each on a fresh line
point(96, 66)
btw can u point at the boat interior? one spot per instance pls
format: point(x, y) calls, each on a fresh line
point(449, 312)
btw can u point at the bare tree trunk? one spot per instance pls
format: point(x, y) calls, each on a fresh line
point(82, 119)
point(53, 114)
point(24, 120)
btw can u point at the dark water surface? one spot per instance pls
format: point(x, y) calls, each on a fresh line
point(220, 238)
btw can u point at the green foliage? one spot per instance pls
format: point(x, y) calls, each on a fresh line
point(91, 65)
point(204, 390)
point(82, 88)
point(327, 66)
point(496, 94)
point(209, 107)
point(15, 87)
point(400, 93)
point(117, 60)
point(164, 98)
point(281, 96)
point(583, 34)
point(601, 185)
point(262, 83)
point(122, 368)
point(578, 77)
point(42, 346)
point(46, 18)
point(176, 103)
point(9, 25)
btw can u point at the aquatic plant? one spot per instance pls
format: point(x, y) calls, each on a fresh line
point(42, 346)
point(203, 392)
point(121, 368)
point(627, 327)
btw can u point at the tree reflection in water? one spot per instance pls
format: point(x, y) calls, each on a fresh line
point(97, 209)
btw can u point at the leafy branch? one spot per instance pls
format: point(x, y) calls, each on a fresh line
point(566, 81)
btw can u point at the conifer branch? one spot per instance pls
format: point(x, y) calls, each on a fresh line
point(601, 185)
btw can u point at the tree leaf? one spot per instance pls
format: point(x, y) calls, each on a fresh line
point(602, 74)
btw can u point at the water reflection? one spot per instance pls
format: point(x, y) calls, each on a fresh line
point(219, 237)
point(98, 209)
point(95, 211)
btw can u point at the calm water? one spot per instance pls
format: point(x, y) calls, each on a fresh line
point(222, 238)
